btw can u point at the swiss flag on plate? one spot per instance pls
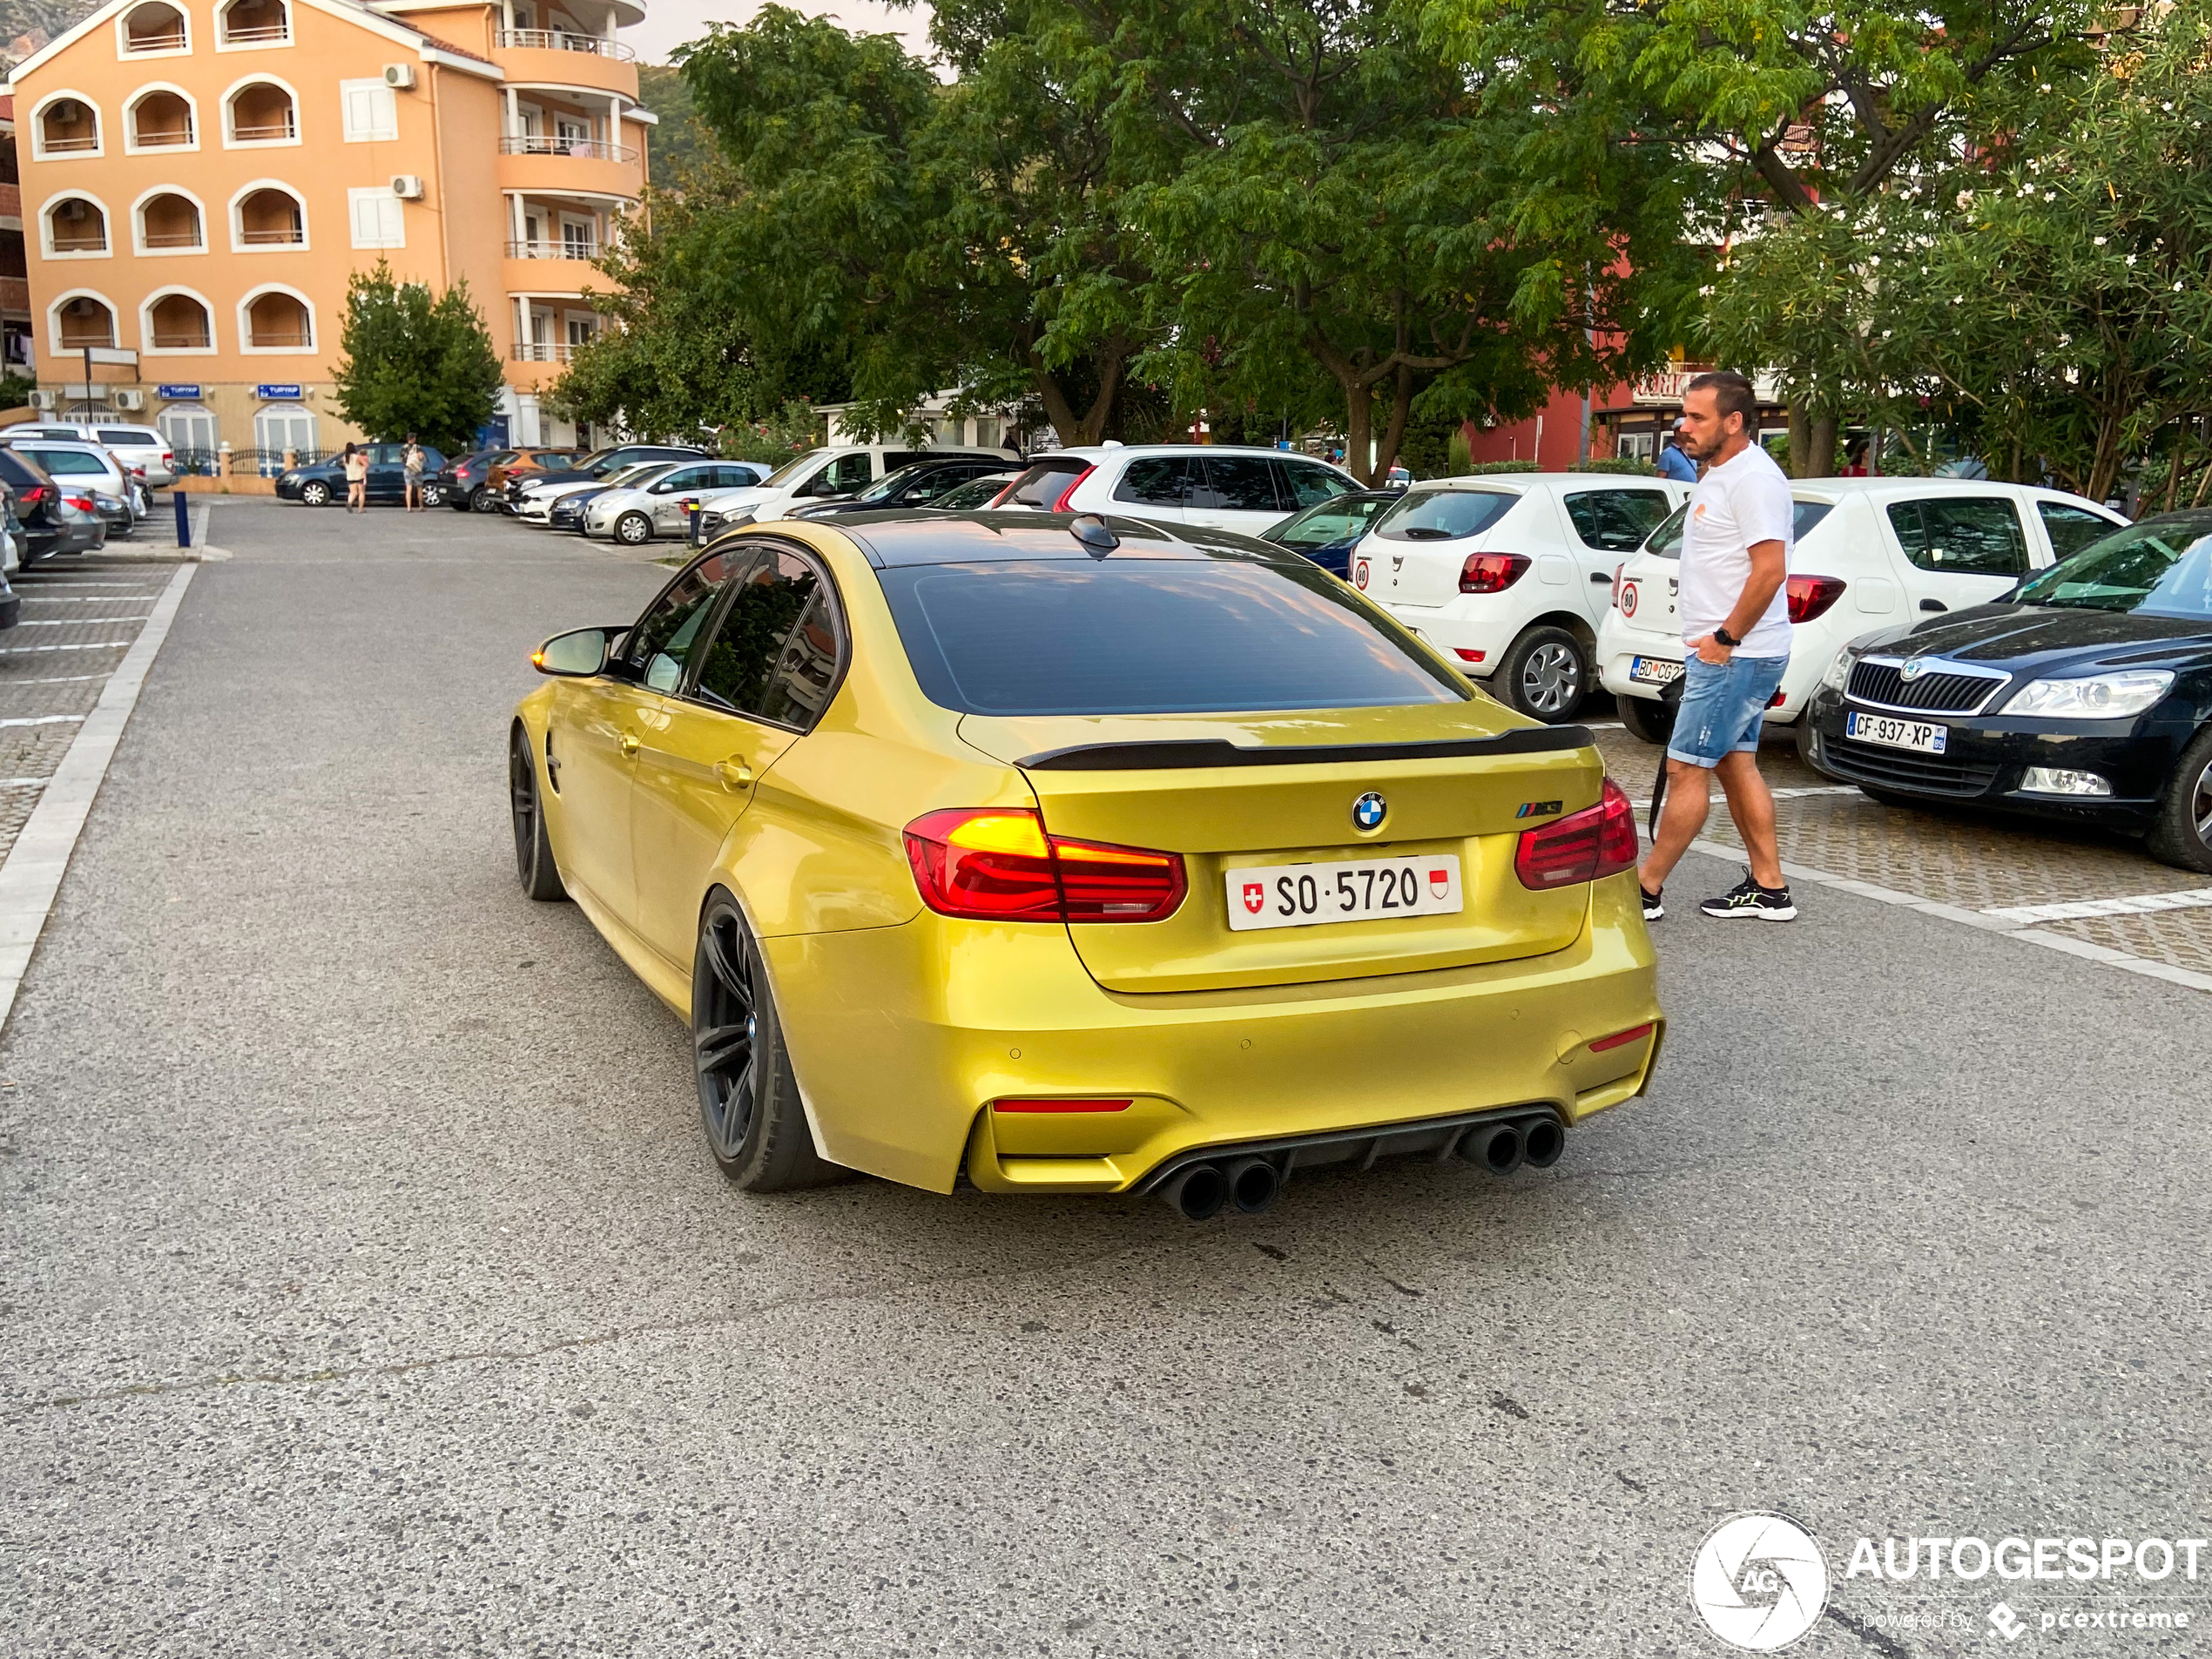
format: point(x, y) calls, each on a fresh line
point(1439, 882)
point(1255, 896)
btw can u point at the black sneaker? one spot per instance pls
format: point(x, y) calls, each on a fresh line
point(1747, 897)
point(1654, 905)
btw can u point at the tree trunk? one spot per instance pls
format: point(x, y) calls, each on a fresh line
point(1823, 447)
point(1800, 438)
point(1359, 431)
point(1401, 410)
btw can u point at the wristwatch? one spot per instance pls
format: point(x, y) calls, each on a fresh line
point(1721, 637)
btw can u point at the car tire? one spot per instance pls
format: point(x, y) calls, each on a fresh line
point(480, 500)
point(462, 501)
point(534, 862)
point(749, 1105)
point(1647, 719)
point(434, 494)
point(2182, 832)
point(633, 530)
point(314, 493)
point(1544, 674)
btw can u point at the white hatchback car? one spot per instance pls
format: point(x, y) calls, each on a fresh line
point(1224, 487)
point(1509, 574)
point(141, 448)
point(1870, 552)
point(838, 470)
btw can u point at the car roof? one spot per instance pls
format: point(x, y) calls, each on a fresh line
point(907, 535)
point(1095, 452)
point(61, 443)
point(1843, 489)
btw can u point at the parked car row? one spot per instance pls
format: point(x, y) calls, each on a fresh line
point(57, 516)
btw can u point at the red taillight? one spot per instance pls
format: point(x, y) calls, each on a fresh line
point(996, 864)
point(1491, 572)
point(1616, 585)
point(1812, 596)
point(1597, 841)
point(1060, 506)
point(33, 495)
point(83, 504)
point(1066, 1105)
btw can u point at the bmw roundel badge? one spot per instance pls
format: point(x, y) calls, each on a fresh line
point(1367, 811)
point(1913, 670)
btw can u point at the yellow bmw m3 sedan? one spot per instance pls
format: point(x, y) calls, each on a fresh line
point(1079, 855)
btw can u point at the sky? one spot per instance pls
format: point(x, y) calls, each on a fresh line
point(671, 23)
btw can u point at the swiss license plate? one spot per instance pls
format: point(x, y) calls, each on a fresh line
point(1306, 895)
point(1653, 670)
point(1893, 733)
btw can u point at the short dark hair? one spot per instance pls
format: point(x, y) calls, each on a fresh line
point(1732, 394)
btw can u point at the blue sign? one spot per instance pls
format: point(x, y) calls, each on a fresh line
point(290, 390)
point(177, 391)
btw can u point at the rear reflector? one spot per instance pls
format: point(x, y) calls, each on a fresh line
point(1064, 1105)
point(1597, 841)
point(1466, 656)
point(1810, 596)
point(1619, 1039)
point(1491, 572)
point(996, 864)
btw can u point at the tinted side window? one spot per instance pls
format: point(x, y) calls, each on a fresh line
point(125, 437)
point(70, 462)
point(1966, 536)
point(1046, 482)
point(1615, 521)
point(1310, 485)
point(662, 642)
point(1238, 484)
point(2070, 529)
point(929, 485)
point(774, 653)
point(683, 478)
point(1157, 481)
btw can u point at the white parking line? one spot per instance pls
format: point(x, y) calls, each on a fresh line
point(84, 621)
point(56, 679)
point(108, 645)
point(32, 874)
point(44, 719)
point(2078, 909)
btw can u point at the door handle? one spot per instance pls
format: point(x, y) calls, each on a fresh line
point(1599, 575)
point(628, 744)
point(1933, 605)
point(734, 773)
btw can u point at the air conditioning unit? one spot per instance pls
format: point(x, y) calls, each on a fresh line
point(401, 76)
point(46, 402)
point(125, 398)
point(407, 186)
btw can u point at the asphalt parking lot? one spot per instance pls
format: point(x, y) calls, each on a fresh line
point(368, 1289)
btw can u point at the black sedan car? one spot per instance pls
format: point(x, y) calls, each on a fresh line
point(323, 482)
point(2086, 694)
point(922, 483)
point(1327, 531)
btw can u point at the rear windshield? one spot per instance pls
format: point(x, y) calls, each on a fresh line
point(1666, 541)
point(1442, 514)
point(60, 462)
point(1150, 636)
point(1042, 485)
point(128, 437)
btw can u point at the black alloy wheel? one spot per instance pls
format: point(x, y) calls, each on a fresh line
point(480, 501)
point(749, 1104)
point(534, 865)
point(2182, 832)
point(314, 493)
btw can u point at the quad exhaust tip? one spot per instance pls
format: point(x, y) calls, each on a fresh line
point(1201, 1192)
point(1497, 1147)
point(1253, 1184)
point(1198, 1193)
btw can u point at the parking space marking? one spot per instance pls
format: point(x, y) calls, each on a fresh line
point(2078, 909)
point(79, 622)
point(106, 644)
point(41, 719)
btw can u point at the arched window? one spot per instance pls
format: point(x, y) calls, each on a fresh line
point(171, 222)
point(254, 23)
point(190, 429)
point(161, 118)
point(282, 428)
point(156, 26)
point(178, 322)
point(278, 320)
point(267, 216)
point(67, 125)
point(83, 320)
point(260, 112)
point(76, 225)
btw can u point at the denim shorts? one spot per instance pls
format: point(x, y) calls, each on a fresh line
point(1722, 705)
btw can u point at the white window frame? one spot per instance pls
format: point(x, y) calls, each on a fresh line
point(223, 45)
point(38, 151)
point(123, 34)
point(46, 228)
point(139, 229)
point(230, 124)
point(380, 194)
point(246, 323)
point(146, 347)
point(376, 88)
point(54, 316)
point(240, 245)
point(131, 144)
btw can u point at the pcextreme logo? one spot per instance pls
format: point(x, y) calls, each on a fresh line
point(1758, 1582)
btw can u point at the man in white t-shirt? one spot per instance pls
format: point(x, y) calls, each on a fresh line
point(1735, 623)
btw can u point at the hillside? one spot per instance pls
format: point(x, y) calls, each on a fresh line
point(25, 25)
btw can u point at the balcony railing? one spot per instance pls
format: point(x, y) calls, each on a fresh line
point(545, 249)
point(181, 342)
point(169, 238)
point(278, 337)
point(266, 132)
point(163, 138)
point(540, 144)
point(544, 351)
point(288, 236)
point(173, 42)
point(260, 34)
point(53, 146)
point(91, 242)
point(78, 343)
point(560, 40)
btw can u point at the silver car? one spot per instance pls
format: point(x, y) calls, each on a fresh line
point(91, 469)
point(659, 503)
point(141, 448)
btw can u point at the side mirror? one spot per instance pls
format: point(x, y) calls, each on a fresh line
point(576, 655)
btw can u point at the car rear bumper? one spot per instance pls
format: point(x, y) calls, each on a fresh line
point(902, 1037)
point(1985, 759)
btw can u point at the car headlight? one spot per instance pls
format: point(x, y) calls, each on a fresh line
point(1839, 670)
point(2093, 697)
point(289, 478)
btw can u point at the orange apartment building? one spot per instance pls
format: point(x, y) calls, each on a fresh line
point(200, 177)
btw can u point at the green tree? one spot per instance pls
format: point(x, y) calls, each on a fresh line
point(412, 363)
point(682, 147)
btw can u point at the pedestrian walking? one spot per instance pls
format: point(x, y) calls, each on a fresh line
point(356, 460)
point(1735, 623)
point(411, 468)
point(1673, 463)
